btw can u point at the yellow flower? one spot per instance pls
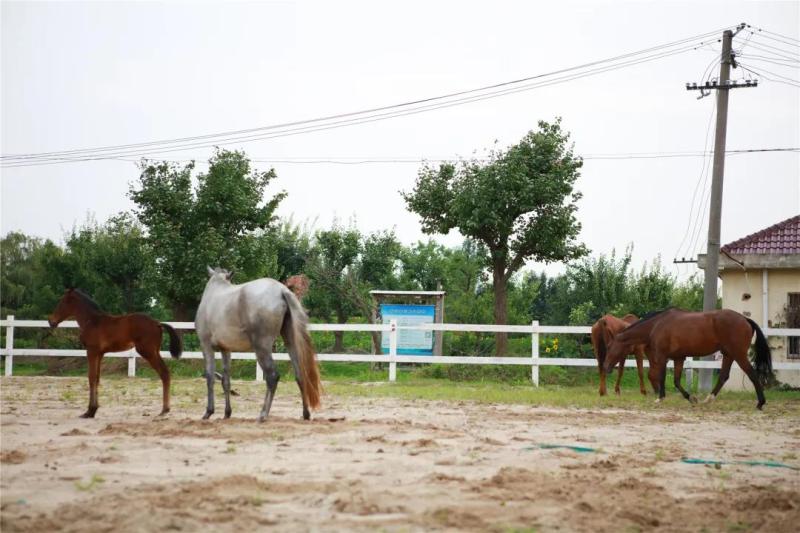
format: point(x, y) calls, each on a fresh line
point(547, 350)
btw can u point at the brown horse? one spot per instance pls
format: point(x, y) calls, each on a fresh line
point(676, 334)
point(101, 333)
point(603, 331)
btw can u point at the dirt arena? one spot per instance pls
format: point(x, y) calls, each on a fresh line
point(382, 464)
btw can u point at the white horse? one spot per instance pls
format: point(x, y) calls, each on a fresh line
point(238, 318)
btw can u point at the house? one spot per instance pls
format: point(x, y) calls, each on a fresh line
point(760, 276)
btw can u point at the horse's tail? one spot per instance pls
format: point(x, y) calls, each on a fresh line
point(763, 358)
point(175, 343)
point(601, 344)
point(304, 350)
point(599, 341)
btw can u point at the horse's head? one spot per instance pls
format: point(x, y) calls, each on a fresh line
point(615, 352)
point(219, 274)
point(64, 309)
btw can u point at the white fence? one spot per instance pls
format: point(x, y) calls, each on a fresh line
point(392, 358)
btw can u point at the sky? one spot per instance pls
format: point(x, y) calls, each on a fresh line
point(78, 75)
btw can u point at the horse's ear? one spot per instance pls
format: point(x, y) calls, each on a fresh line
point(230, 275)
point(209, 270)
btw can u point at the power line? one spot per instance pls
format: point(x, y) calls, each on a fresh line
point(778, 52)
point(350, 121)
point(367, 160)
point(762, 35)
point(699, 178)
point(127, 149)
point(788, 81)
point(369, 118)
point(779, 35)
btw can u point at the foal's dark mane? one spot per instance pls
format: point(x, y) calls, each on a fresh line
point(87, 300)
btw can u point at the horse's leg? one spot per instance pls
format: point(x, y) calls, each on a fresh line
point(94, 381)
point(619, 376)
point(264, 354)
point(153, 356)
point(640, 368)
point(602, 379)
point(724, 374)
point(652, 375)
point(678, 372)
point(748, 369)
point(208, 356)
point(662, 380)
point(226, 381)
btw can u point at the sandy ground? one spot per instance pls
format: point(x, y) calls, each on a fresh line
point(380, 464)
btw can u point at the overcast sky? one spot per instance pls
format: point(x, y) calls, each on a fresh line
point(77, 75)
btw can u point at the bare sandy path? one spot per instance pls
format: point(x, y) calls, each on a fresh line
point(366, 464)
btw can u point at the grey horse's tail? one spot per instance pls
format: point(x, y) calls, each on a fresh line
point(297, 321)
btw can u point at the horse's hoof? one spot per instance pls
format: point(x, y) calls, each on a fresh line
point(306, 416)
point(693, 399)
point(760, 406)
point(658, 400)
point(710, 398)
point(228, 413)
point(262, 419)
point(208, 415)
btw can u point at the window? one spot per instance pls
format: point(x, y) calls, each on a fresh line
point(793, 321)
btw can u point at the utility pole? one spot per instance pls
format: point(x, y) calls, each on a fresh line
point(722, 87)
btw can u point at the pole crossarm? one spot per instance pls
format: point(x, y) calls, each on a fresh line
point(730, 84)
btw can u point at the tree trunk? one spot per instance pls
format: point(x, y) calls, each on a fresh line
point(500, 306)
point(181, 313)
point(338, 336)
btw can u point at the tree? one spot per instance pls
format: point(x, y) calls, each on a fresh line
point(113, 262)
point(215, 223)
point(520, 204)
point(29, 287)
point(332, 257)
point(423, 266)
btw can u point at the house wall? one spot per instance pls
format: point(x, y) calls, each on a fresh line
point(735, 284)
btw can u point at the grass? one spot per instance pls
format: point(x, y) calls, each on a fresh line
point(561, 387)
point(581, 396)
point(90, 485)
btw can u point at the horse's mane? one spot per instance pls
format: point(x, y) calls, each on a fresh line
point(86, 299)
point(649, 316)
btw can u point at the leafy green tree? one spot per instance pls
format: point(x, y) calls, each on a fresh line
point(213, 223)
point(423, 266)
point(520, 204)
point(113, 262)
point(332, 258)
point(649, 290)
point(689, 295)
point(29, 285)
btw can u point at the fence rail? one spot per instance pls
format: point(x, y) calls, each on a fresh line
point(392, 358)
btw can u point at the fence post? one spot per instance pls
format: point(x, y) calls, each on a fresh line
point(393, 351)
point(535, 352)
point(10, 345)
point(132, 364)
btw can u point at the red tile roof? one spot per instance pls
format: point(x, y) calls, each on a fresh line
point(782, 238)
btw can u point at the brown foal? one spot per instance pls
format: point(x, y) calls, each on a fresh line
point(101, 333)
